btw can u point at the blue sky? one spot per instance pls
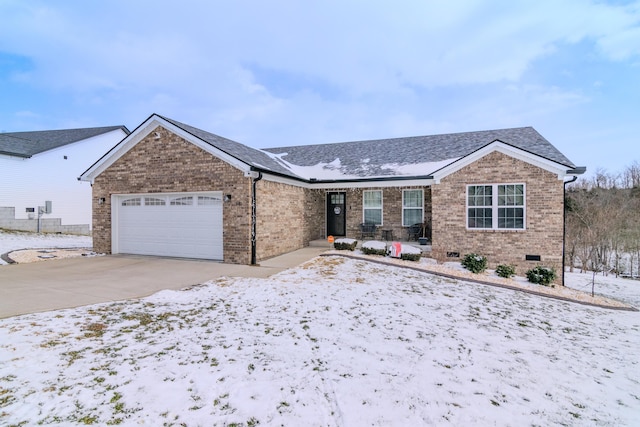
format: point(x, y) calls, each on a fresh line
point(300, 72)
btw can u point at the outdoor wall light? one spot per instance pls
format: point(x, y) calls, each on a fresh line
point(101, 200)
point(227, 197)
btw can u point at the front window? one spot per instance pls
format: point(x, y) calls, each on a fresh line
point(496, 206)
point(412, 207)
point(372, 206)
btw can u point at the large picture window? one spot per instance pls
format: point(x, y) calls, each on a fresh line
point(372, 206)
point(496, 206)
point(412, 207)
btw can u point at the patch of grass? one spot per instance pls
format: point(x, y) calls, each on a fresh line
point(116, 397)
point(6, 398)
point(88, 419)
point(74, 355)
point(94, 330)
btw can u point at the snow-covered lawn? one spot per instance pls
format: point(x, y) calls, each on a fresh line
point(13, 241)
point(334, 342)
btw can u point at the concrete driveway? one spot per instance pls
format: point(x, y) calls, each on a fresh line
point(72, 282)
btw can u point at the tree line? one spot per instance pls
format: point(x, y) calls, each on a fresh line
point(603, 222)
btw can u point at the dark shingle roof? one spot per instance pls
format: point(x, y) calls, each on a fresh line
point(27, 144)
point(418, 149)
point(251, 156)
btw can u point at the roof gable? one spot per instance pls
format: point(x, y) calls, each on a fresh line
point(238, 155)
point(27, 144)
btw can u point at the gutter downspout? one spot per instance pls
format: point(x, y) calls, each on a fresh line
point(253, 217)
point(564, 222)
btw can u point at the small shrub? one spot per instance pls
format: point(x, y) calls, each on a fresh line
point(410, 253)
point(374, 248)
point(474, 263)
point(505, 271)
point(410, 257)
point(345, 244)
point(541, 275)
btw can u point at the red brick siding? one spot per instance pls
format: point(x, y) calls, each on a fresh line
point(391, 210)
point(171, 164)
point(544, 214)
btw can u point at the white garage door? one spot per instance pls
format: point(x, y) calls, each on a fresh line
point(187, 225)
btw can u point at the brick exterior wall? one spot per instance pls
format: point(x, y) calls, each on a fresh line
point(315, 206)
point(391, 210)
point(171, 164)
point(288, 217)
point(544, 215)
point(279, 218)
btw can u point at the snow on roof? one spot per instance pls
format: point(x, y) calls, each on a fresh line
point(335, 170)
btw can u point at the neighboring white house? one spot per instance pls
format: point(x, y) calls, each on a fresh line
point(41, 166)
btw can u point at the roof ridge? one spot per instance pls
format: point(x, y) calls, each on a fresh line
point(407, 137)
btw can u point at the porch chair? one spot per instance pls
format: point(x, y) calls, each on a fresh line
point(414, 231)
point(368, 229)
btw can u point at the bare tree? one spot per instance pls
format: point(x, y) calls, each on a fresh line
point(603, 221)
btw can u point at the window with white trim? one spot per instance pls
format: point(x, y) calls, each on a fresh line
point(372, 206)
point(496, 206)
point(412, 207)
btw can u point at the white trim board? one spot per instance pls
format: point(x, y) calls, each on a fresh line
point(501, 147)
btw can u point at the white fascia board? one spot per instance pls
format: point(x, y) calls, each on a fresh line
point(349, 184)
point(374, 184)
point(284, 180)
point(145, 129)
point(541, 162)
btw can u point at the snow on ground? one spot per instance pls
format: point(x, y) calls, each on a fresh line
point(16, 240)
point(626, 290)
point(333, 342)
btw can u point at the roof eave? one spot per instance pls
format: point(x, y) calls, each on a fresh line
point(578, 170)
point(12, 154)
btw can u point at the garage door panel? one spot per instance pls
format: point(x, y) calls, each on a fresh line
point(170, 226)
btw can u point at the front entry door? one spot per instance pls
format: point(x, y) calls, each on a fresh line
point(336, 214)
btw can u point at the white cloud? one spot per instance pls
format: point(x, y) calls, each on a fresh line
point(350, 70)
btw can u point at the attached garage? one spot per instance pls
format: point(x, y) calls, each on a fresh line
point(186, 225)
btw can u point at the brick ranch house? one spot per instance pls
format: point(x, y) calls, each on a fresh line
point(170, 189)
